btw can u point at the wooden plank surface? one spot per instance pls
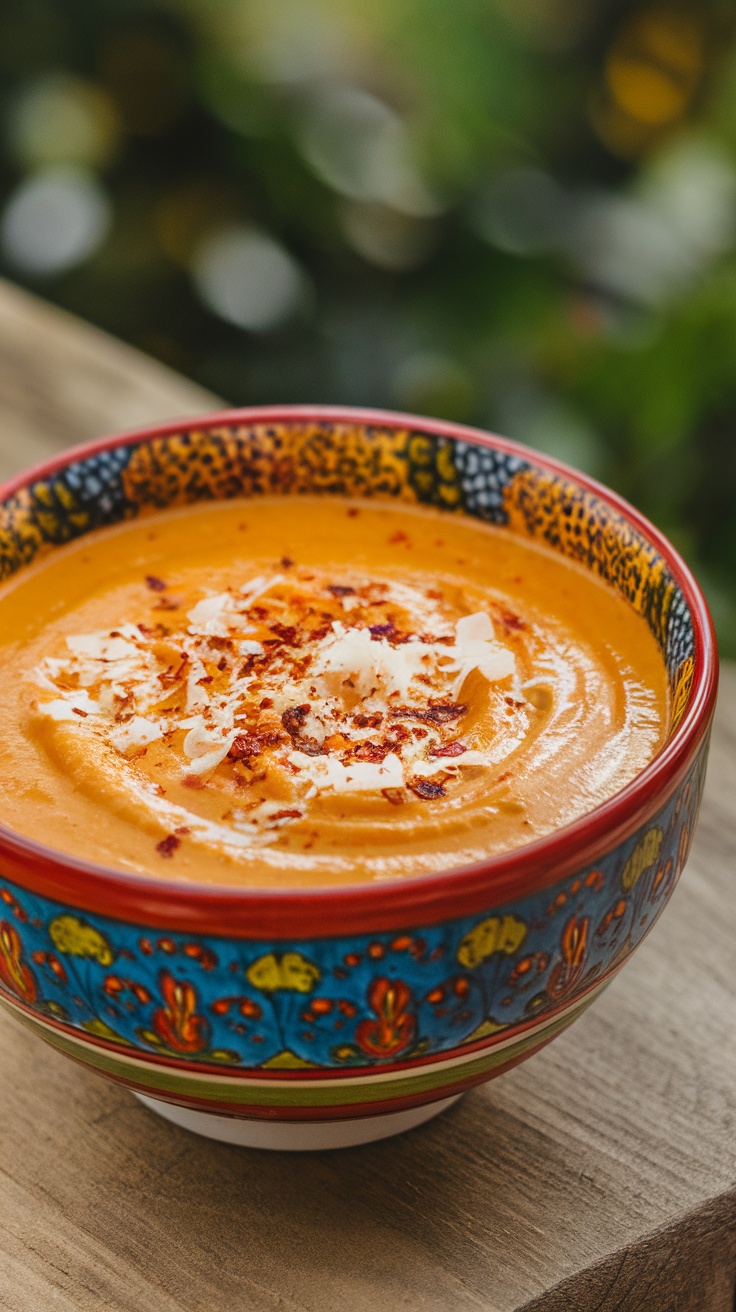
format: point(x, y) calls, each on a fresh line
point(598, 1177)
point(63, 382)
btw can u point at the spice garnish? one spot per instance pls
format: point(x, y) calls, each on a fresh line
point(441, 713)
point(168, 845)
point(425, 789)
point(455, 748)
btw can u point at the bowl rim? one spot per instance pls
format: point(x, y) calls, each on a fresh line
point(316, 911)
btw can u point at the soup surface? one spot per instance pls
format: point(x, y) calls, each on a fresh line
point(309, 691)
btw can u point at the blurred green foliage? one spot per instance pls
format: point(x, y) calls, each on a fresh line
point(516, 213)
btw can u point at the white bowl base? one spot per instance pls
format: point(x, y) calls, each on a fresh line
point(295, 1136)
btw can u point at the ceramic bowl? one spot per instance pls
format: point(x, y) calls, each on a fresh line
point(319, 1018)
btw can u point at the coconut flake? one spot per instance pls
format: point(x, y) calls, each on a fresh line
point(137, 732)
point(66, 707)
point(361, 776)
point(476, 648)
point(369, 663)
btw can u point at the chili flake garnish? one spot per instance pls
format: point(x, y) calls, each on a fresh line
point(168, 845)
point(427, 790)
point(455, 748)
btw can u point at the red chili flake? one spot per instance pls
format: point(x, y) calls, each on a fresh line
point(435, 713)
point(455, 748)
point(286, 562)
point(293, 718)
point(340, 590)
point(206, 678)
point(382, 630)
point(78, 711)
point(425, 789)
point(155, 584)
point(265, 704)
point(398, 537)
point(503, 777)
point(193, 781)
point(368, 721)
point(248, 745)
point(318, 634)
point(393, 795)
point(168, 845)
point(222, 664)
point(286, 814)
point(286, 633)
point(183, 829)
point(310, 747)
point(368, 751)
point(167, 603)
point(513, 623)
point(447, 638)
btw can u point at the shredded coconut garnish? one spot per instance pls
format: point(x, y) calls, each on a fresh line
point(335, 687)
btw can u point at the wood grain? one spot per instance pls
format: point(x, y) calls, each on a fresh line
point(63, 382)
point(599, 1177)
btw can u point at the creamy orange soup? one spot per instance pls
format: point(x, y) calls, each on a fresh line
point(308, 691)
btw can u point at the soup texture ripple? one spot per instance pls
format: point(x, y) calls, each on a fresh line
point(303, 691)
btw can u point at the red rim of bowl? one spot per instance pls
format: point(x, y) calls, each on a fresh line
point(319, 910)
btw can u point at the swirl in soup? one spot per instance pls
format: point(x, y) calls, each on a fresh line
point(309, 691)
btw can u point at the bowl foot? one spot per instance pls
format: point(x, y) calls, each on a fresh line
point(295, 1136)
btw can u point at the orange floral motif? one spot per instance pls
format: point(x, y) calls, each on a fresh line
point(53, 964)
point(394, 1027)
point(573, 946)
point(178, 1024)
point(663, 880)
point(13, 972)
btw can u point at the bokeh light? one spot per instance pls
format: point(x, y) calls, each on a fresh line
point(362, 149)
point(387, 237)
point(54, 221)
point(247, 278)
point(62, 119)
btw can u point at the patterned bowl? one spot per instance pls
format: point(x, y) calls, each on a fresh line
point(320, 1018)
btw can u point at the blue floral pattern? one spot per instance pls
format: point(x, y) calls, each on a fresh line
point(335, 1002)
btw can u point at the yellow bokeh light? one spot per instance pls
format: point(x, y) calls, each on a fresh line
point(646, 92)
point(654, 66)
point(63, 119)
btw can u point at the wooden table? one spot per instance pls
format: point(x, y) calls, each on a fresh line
point(601, 1175)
